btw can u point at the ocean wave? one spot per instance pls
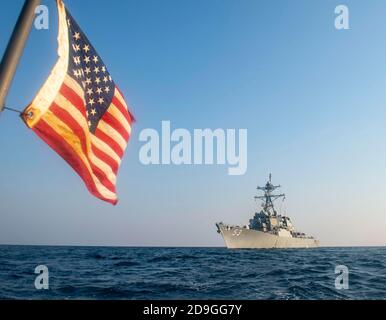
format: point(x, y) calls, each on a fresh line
point(126, 264)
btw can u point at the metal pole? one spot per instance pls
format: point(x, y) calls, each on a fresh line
point(15, 48)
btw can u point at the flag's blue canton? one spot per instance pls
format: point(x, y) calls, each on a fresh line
point(88, 69)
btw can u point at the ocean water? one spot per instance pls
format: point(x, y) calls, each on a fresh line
point(191, 273)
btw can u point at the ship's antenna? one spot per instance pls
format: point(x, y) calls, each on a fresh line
point(268, 197)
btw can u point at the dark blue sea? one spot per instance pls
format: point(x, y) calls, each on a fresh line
point(191, 273)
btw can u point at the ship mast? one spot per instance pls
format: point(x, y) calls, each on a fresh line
point(268, 197)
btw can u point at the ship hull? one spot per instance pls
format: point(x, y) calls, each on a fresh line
point(242, 238)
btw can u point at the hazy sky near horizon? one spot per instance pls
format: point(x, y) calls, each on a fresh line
point(312, 98)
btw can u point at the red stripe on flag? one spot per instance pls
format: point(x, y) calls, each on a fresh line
point(66, 117)
point(126, 113)
point(61, 147)
point(110, 141)
point(73, 97)
point(105, 158)
point(132, 118)
point(113, 122)
point(79, 132)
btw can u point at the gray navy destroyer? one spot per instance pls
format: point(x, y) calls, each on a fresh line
point(267, 229)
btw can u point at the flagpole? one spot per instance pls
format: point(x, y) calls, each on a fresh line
point(15, 48)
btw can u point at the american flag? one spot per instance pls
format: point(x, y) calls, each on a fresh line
point(80, 112)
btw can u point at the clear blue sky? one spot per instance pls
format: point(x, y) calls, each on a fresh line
point(312, 98)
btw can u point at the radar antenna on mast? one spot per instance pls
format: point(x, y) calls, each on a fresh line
point(268, 197)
